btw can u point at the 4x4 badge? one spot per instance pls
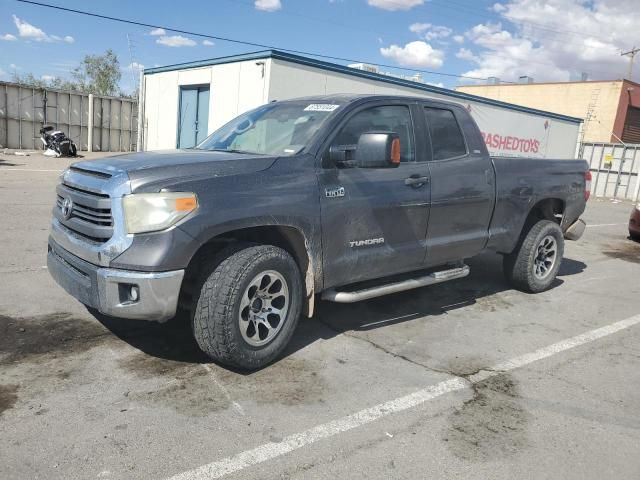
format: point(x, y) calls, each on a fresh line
point(334, 192)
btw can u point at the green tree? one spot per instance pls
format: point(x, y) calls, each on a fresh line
point(99, 73)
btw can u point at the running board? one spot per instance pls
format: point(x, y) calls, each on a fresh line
point(333, 295)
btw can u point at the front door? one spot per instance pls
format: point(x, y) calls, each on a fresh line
point(374, 221)
point(194, 116)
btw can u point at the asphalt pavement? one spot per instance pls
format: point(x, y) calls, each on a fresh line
point(467, 379)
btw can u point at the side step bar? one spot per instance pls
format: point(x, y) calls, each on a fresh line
point(358, 295)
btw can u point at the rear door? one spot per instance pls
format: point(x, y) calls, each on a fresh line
point(462, 186)
point(374, 223)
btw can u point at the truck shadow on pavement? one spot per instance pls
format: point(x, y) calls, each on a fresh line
point(482, 289)
point(169, 341)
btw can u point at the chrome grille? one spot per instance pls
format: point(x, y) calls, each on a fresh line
point(87, 213)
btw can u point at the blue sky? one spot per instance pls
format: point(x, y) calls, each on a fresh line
point(553, 40)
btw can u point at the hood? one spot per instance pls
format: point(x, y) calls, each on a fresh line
point(154, 167)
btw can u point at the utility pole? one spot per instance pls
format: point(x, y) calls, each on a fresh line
point(631, 54)
point(132, 63)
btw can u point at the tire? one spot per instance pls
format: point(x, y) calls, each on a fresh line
point(530, 267)
point(634, 236)
point(231, 313)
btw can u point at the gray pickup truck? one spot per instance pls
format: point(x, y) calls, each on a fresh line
point(344, 197)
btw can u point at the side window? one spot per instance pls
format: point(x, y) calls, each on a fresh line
point(446, 137)
point(392, 118)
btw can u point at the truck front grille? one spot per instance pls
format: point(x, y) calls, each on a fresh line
point(84, 212)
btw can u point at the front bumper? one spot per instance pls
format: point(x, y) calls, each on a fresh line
point(115, 292)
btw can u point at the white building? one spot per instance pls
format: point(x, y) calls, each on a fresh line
point(181, 104)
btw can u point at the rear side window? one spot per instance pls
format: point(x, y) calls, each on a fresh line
point(446, 137)
point(392, 118)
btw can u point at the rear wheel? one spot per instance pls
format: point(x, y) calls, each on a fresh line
point(248, 307)
point(533, 265)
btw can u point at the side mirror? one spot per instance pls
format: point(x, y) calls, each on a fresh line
point(378, 150)
point(337, 155)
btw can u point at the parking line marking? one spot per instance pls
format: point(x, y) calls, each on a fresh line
point(606, 225)
point(28, 170)
point(237, 407)
point(269, 451)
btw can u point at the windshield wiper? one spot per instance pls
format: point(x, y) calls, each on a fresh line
point(234, 150)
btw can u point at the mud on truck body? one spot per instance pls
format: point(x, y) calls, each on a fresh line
point(340, 197)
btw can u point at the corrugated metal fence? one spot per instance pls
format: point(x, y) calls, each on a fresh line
point(110, 122)
point(615, 168)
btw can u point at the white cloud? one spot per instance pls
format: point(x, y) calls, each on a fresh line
point(438, 84)
point(417, 54)
point(458, 38)
point(135, 66)
point(430, 32)
point(466, 54)
point(156, 32)
point(3, 74)
point(8, 37)
point(268, 5)
point(556, 40)
point(498, 7)
point(13, 66)
point(438, 31)
point(393, 5)
point(30, 32)
point(208, 43)
point(419, 28)
point(47, 78)
point(175, 41)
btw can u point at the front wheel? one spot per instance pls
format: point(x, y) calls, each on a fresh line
point(533, 265)
point(248, 307)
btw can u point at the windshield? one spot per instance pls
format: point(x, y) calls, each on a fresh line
point(282, 128)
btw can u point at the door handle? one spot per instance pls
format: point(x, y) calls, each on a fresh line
point(416, 181)
point(488, 174)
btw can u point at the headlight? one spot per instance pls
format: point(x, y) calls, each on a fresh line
point(150, 212)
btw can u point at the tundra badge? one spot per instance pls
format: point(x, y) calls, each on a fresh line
point(334, 192)
point(367, 242)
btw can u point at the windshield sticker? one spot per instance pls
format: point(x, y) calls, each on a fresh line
point(321, 107)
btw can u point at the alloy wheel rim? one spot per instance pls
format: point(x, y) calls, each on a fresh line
point(546, 255)
point(263, 308)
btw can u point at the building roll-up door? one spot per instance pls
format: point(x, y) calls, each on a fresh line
point(631, 132)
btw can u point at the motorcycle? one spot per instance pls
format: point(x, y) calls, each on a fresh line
point(56, 143)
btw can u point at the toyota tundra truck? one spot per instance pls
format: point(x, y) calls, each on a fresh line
point(341, 198)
